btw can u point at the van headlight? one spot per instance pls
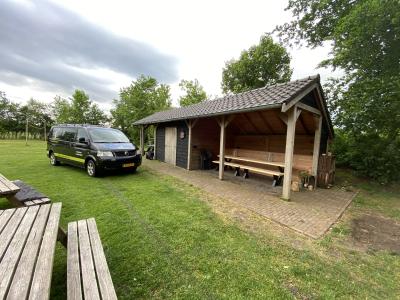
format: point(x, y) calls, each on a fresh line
point(105, 154)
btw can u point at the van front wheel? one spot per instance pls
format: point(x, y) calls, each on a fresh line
point(53, 160)
point(91, 168)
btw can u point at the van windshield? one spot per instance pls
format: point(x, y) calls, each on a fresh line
point(107, 135)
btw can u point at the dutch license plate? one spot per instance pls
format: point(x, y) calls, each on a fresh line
point(128, 165)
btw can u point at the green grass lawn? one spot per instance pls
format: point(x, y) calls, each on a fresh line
point(162, 241)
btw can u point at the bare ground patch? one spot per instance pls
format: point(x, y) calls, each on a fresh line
point(373, 232)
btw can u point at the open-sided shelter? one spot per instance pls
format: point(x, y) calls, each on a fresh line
point(278, 130)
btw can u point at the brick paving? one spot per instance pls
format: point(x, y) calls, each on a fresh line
point(309, 212)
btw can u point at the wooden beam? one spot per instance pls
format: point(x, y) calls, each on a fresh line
point(301, 119)
point(264, 120)
point(309, 108)
point(283, 118)
point(222, 148)
point(290, 135)
point(317, 143)
point(286, 107)
point(298, 113)
point(229, 119)
point(251, 123)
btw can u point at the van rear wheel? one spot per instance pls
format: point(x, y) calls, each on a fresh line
point(91, 168)
point(53, 160)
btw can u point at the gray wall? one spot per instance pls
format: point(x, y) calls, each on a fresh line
point(160, 143)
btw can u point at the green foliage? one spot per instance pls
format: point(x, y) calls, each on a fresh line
point(369, 155)
point(142, 98)
point(365, 102)
point(263, 64)
point(10, 116)
point(13, 116)
point(79, 110)
point(194, 92)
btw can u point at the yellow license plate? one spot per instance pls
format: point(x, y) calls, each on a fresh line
point(128, 165)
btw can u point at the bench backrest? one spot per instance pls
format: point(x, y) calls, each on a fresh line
point(300, 162)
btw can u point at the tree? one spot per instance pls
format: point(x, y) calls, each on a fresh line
point(263, 64)
point(79, 109)
point(142, 98)
point(13, 116)
point(194, 92)
point(365, 44)
point(10, 120)
point(38, 115)
point(61, 110)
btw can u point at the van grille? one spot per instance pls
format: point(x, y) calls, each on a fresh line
point(125, 153)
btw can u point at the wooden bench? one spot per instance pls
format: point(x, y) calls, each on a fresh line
point(36, 202)
point(277, 175)
point(301, 162)
point(7, 187)
point(27, 195)
point(88, 276)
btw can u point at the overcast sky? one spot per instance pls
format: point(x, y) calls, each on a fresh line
point(50, 48)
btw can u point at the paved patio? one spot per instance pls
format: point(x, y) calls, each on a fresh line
point(310, 213)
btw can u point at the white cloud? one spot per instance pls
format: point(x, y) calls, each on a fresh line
point(200, 35)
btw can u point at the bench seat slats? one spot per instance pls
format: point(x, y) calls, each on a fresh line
point(103, 273)
point(7, 187)
point(256, 161)
point(40, 286)
point(12, 254)
point(254, 169)
point(5, 216)
point(88, 273)
point(9, 230)
point(89, 284)
point(74, 289)
point(19, 288)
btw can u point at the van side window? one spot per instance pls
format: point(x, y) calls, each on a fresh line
point(57, 133)
point(82, 134)
point(69, 134)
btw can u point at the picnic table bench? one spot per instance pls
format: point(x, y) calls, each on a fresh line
point(7, 187)
point(277, 175)
point(88, 276)
point(28, 238)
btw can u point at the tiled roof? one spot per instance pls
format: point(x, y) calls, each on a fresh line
point(270, 96)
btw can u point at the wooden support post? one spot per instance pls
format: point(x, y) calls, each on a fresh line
point(62, 237)
point(317, 142)
point(142, 140)
point(222, 125)
point(190, 124)
point(290, 135)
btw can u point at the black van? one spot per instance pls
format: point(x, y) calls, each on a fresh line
point(91, 147)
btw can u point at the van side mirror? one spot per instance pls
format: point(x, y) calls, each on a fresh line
point(82, 140)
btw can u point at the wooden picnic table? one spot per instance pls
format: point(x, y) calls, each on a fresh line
point(28, 238)
point(7, 188)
